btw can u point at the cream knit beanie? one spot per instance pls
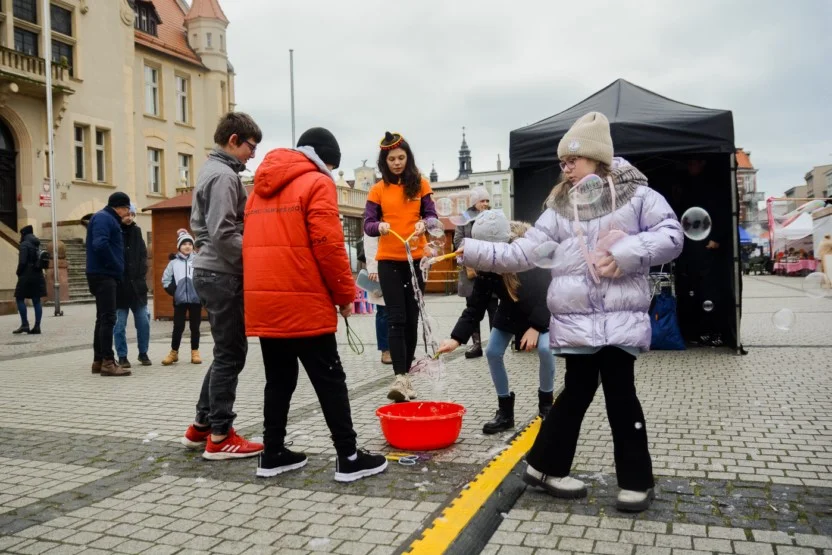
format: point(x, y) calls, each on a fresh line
point(588, 137)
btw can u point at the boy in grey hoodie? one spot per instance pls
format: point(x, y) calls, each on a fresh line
point(217, 210)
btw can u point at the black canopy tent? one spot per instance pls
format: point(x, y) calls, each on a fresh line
point(657, 135)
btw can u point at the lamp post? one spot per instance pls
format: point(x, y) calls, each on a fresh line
point(47, 27)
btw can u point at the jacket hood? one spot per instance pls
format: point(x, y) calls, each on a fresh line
point(282, 166)
point(223, 157)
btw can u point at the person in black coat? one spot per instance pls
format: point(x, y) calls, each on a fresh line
point(521, 312)
point(105, 268)
point(30, 281)
point(131, 292)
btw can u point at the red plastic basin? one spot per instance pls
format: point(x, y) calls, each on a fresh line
point(421, 426)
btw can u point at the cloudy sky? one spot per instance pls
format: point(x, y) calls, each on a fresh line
point(428, 67)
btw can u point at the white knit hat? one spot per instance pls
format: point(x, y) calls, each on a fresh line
point(491, 226)
point(477, 194)
point(588, 137)
point(183, 236)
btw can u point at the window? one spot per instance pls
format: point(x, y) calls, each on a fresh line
point(497, 200)
point(460, 204)
point(146, 19)
point(154, 170)
point(101, 139)
point(62, 53)
point(222, 42)
point(151, 91)
point(209, 40)
point(26, 10)
point(80, 153)
point(26, 42)
point(185, 163)
point(182, 106)
point(61, 20)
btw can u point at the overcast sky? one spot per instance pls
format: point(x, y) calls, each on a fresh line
point(428, 67)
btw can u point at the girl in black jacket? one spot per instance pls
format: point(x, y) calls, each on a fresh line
point(521, 312)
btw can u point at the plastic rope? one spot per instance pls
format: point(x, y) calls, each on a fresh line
point(353, 340)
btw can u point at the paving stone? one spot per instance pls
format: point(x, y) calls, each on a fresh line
point(574, 544)
point(811, 540)
point(768, 536)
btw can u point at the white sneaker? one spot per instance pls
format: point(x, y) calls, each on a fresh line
point(634, 501)
point(408, 388)
point(398, 391)
point(564, 487)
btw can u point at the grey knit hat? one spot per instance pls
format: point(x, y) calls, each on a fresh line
point(476, 195)
point(588, 137)
point(491, 226)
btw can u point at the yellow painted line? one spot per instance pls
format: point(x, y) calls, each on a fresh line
point(456, 516)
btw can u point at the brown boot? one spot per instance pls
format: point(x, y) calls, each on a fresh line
point(195, 358)
point(386, 358)
point(110, 368)
point(173, 356)
point(96, 367)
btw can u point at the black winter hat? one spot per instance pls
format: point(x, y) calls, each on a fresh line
point(26, 230)
point(324, 143)
point(119, 200)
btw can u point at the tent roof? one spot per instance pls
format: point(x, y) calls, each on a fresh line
point(642, 123)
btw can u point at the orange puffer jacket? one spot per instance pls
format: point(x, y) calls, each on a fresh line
point(295, 264)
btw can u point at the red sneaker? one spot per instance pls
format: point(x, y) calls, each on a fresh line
point(232, 447)
point(194, 439)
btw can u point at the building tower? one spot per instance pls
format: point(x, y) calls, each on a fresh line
point(464, 159)
point(434, 177)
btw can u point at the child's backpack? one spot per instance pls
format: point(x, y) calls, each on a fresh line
point(42, 260)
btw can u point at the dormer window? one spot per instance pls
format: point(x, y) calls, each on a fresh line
point(147, 19)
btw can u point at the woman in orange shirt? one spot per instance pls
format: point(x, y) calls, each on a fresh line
point(400, 202)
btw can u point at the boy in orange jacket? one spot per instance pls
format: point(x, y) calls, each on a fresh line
point(292, 223)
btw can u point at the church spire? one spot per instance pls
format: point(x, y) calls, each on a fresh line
point(464, 158)
point(434, 177)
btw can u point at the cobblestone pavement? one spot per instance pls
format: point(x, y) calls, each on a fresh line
point(742, 451)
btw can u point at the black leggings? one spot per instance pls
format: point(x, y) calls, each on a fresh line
point(195, 313)
point(402, 311)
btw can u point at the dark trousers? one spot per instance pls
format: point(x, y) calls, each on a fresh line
point(554, 448)
point(21, 309)
point(319, 356)
point(490, 312)
point(194, 312)
point(222, 296)
point(402, 311)
point(103, 288)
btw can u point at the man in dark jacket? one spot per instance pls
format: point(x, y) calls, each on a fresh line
point(30, 281)
point(131, 293)
point(105, 268)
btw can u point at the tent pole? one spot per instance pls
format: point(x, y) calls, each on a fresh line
point(736, 249)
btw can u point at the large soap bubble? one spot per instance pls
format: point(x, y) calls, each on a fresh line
point(816, 285)
point(444, 206)
point(544, 254)
point(708, 306)
point(434, 227)
point(587, 191)
point(696, 223)
point(783, 319)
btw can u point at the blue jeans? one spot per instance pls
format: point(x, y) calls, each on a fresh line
point(496, 348)
point(141, 318)
point(21, 308)
point(381, 328)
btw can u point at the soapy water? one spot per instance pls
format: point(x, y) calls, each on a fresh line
point(696, 223)
point(783, 319)
point(816, 285)
point(444, 207)
point(544, 255)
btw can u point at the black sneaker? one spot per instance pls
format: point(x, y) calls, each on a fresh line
point(145, 360)
point(366, 464)
point(124, 363)
point(272, 464)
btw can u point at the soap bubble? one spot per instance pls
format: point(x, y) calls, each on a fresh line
point(438, 242)
point(816, 285)
point(444, 206)
point(639, 425)
point(587, 191)
point(696, 223)
point(783, 319)
point(460, 219)
point(414, 241)
point(544, 254)
point(708, 306)
point(435, 228)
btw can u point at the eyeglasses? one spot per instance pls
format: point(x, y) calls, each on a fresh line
point(568, 164)
point(251, 145)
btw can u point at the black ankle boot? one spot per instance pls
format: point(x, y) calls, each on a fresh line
point(475, 350)
point(21, 329)
point(504, 418)
point(35, 330)
point(544, 403)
